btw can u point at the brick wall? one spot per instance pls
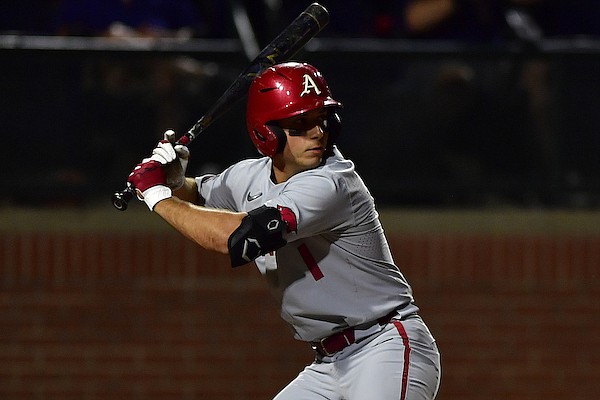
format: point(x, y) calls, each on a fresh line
point(92, 309)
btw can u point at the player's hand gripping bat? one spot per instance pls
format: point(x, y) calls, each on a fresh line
point(285, 45)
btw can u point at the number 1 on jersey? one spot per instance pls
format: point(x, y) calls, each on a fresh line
point(310, 262)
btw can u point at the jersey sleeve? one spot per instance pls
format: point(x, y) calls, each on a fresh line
point(216, 191)
point(314, 204)
point(227, 189)
point(210, 196)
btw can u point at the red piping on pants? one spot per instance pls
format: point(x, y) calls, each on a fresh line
point(406, 342)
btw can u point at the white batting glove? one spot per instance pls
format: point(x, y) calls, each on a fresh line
point(154, 195)
point(175, 157)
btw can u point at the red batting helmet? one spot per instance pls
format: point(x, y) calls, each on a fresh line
point(279, 92)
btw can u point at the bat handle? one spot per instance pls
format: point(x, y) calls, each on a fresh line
point(120, 200)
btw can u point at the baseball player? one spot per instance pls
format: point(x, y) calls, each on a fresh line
point(304, 216)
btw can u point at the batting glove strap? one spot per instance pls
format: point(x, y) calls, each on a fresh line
point(154, 195)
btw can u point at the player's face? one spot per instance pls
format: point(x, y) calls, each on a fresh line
point(306, 141)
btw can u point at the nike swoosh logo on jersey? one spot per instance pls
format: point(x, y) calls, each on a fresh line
point(252, 197)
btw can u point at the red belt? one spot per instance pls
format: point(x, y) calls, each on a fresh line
point(330, 345)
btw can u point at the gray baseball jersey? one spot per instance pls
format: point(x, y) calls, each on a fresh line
point(336, 270)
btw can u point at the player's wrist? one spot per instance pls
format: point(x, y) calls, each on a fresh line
point(152, 196)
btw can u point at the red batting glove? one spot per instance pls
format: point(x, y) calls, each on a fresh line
point(147, 174)
point(149, 179)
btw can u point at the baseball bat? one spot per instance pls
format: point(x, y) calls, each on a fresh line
point(307, 25)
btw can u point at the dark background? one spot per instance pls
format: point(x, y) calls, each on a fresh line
point(447, 119)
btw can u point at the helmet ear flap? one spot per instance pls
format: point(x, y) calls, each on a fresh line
point(268, 139)
point(334, 123)
point(279, 135)
point(334, 127)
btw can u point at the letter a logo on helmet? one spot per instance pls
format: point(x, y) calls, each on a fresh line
point(308, 84)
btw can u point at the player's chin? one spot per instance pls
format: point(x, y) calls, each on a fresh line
point(312, 159)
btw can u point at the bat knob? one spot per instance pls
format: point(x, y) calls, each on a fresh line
point(120, 200)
